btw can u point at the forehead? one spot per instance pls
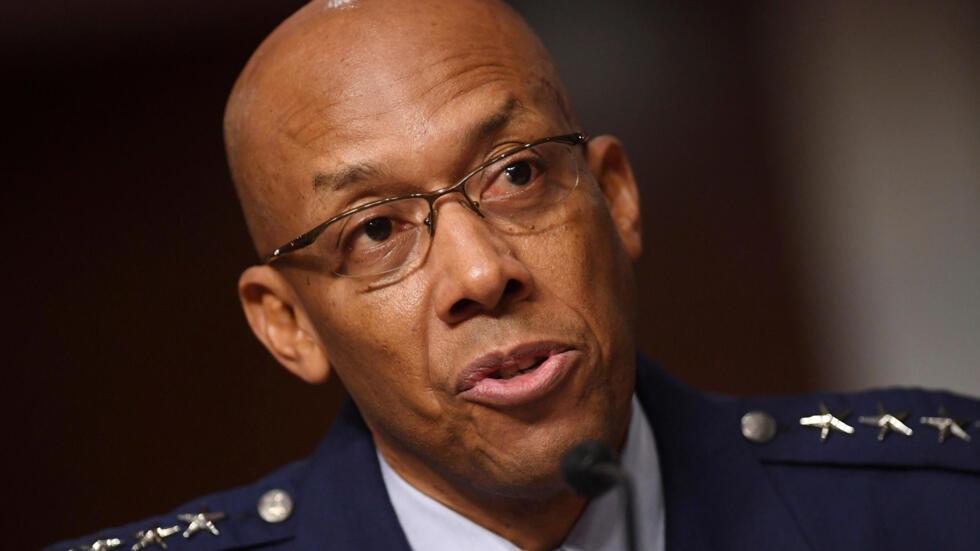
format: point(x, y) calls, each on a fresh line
point(373, 91)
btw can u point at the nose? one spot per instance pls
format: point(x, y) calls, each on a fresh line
point(476, 270)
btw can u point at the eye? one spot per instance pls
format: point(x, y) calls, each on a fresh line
point(513, 178)
point(377, 239)
point(375, 231)
point(519, 173)
point(378, 229)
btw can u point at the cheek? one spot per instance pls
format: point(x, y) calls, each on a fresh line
point(376, 343)
point(589, 273)
point(585, 267)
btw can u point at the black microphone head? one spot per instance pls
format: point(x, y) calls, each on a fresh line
point(586, 468)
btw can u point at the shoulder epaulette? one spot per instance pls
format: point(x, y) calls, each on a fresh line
point(258, 514)
point(892, 427)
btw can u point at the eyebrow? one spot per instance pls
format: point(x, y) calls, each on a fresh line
point(356, 173)
point(346, 176)
point(494, 122)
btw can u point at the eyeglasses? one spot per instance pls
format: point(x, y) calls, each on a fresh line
point(517, 191)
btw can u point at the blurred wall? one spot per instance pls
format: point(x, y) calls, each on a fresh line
point(133, 381)
point(878, 127)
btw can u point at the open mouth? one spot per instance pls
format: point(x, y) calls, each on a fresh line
point(519, 376)
point(514, 368)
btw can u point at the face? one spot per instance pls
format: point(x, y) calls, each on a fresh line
point(431, 356)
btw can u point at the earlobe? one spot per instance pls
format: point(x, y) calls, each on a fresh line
point(612, 171)
point(279, 321)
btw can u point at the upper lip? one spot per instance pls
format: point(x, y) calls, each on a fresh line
point(491, 362)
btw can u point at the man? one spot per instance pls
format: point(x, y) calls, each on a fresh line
point(437, 231)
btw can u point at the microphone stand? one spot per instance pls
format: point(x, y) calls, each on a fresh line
point(625, 483)
point(591, 470)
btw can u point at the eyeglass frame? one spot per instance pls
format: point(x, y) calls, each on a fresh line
point(309, 237)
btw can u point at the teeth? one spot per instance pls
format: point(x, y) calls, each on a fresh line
point(526, 364)
point(513, 369)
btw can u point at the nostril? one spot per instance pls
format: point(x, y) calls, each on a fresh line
point(461, 307)
point(465, 307)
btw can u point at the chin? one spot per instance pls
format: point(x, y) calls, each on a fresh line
point(527, 465)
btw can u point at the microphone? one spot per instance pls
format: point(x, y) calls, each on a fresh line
point(591, 470)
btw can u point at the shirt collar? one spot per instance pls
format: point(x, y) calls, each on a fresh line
point(431, 525)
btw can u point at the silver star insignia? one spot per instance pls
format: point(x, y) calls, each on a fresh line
point(825, 422)
point(100, 545)
point(154, 536)
point(886, 422)
point(946, 425)
point(201, 521)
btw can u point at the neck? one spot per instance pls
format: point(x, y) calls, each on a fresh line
point(541, 520)
point(533, 524)
point(536, 522)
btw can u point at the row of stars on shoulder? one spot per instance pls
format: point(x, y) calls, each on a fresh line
point(274, 506)
point(760, 427)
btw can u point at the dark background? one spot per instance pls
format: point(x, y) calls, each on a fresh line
point(133, 382)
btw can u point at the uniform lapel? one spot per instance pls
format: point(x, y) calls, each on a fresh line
point(716, 494)
point(344, 504)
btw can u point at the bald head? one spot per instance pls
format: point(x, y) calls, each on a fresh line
point(340, 77)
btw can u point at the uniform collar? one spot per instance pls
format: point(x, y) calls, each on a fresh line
point(716, 493)
point(433, 526)
point(344, 503)
point(602, 526)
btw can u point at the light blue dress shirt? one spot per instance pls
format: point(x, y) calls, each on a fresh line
point(431, 526)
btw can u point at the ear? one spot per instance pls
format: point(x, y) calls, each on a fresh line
point(613, 173)
point(278, 319)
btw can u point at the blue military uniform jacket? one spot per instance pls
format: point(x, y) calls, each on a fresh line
point(781, 489)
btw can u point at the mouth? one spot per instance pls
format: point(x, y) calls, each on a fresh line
point(522, 375)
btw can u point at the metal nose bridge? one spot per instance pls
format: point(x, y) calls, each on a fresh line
point(431, 199)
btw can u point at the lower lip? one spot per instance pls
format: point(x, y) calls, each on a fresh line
point(526, 387)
